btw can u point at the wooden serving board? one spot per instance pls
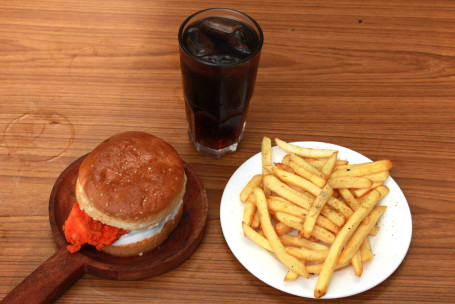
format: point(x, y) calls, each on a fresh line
point(60, 271)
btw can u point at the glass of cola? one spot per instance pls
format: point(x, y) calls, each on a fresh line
point(219, 58)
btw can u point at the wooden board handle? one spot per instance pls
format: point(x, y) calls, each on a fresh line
point(50, 279)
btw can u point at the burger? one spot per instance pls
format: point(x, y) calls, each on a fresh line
point(129, 193)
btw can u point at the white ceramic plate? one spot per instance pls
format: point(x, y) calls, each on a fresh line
point(389, 246)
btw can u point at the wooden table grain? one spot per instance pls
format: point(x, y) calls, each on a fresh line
point(373, 76)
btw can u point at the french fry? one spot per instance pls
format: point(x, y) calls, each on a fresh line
point(359, 235)
point(267, 169)
point(350, 182)
point(284, 167)
point(306, 165)
point(261, 233)
point(329, 165)
point(312, 177)
point(281, 228)
point(256, 222)
point(293, 240)
point(348, 166)
point(378, 177)
point(278, 248)
point(308, 254)
point(297, 223)
point(383, 191)
point(287, 192)
point(256, 237)
point(340, 207)
point(276, 203)
point(316, 268)
point(296, 180)
point(373, 231)
point(251, 198)
point(346, 231)
point(304, 152)
point(356, 262)
point(319, 163)
point(315, 209)
point(366, 253)
point(364, 169)
point(349, 198)
point(266, 151)
point(248, 212)
point(286, 159)
point(266, 154)
point(291, 276)
point(281, 205)
point(361, 192)
point(255, 181)
point(283, 190)
point(314, 190)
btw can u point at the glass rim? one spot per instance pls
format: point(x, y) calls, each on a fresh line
point(260, 36)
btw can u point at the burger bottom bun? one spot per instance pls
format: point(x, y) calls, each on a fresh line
point(146, 245)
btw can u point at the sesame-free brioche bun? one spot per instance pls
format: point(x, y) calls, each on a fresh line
point(132, 180)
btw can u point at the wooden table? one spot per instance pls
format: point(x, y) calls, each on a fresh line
point(374, 76)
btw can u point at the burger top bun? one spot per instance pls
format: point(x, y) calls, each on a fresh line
point(131, 181)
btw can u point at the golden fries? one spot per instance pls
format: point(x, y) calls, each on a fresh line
point(314, 211)
point(296, 180)
point(329, 165)
point(304, 152)
point(346, 231)
point(291, 276)
point(299, 199)
point(248, 213)
point(366, 253)
point(360, 234)
point(282, 205)
point(349, 198)
point(266, 154)
point(319, 233)
point(350, 182)
point(364, 169)
point(255, 181)
point(281, 228)
point(316, 179)
point(325, 200)
point(356, 262)
point(308, 254)
point(292, 240)
point(316, 268)
point(278, 248)
point(256, 237)
point(266, 151)
point(305, 164)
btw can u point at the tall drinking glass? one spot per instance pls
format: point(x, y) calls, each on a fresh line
point(219, 58)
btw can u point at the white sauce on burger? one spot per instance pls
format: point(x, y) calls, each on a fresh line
point(134, 236)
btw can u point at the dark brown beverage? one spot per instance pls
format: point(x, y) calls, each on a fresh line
point(219, 60)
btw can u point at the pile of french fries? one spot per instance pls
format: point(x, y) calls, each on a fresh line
point(314, 212)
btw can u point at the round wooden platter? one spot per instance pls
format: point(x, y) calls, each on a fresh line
point(60, 271)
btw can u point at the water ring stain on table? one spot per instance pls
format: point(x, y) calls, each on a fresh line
point(28, 136)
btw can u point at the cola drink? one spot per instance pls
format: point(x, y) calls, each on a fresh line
point(219, 57)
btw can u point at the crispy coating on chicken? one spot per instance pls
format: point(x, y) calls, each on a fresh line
point(81, 229)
